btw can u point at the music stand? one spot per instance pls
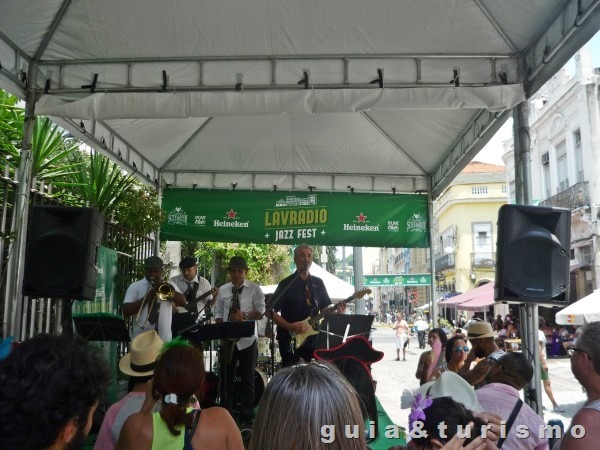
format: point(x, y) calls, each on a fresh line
point(336, 328)
point(101, 327)
point(225, 330)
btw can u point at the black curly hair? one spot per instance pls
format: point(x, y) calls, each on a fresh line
point(45, 382)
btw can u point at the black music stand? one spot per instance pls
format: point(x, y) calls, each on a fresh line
point(335, 327)
point(101, 327)
point(225, 330)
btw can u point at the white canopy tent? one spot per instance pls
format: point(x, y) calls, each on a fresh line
point(380, 97)
point(584, 310)
point(336, 288)
point(391, 96)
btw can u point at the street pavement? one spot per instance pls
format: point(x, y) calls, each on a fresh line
point(394, 376)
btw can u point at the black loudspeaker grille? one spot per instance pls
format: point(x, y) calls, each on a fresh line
point(533, 252)
point(61, 252)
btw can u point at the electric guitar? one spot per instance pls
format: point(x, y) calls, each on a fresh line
point(313, 321)
point(191, 306)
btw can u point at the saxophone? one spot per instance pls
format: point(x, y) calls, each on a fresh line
point(235, 307)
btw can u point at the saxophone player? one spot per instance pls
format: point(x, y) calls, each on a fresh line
point(142, 302)
point(237, 301)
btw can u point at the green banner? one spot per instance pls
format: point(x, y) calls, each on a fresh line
point(418, 279)
point(371, 220)
point(105, 301)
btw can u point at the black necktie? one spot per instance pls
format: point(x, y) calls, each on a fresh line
point(190, 294)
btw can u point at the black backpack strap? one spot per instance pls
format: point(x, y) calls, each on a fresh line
point(189, 431)
point(510, 421)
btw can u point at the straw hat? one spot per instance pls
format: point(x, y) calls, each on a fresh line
point(450, 384)
point(480, 330)
point(144, 351)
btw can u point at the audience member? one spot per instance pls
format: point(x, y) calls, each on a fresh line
point(308, 406)
point(50, 387)
point(177, 382)
point(139, 365)
point(431, 363)
point(456, 352)
point(449, 400)
point(509, 373)
point(353, 358)
point(483, 344)
point(585, 365)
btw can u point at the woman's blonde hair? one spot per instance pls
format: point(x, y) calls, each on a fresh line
point(299, 401)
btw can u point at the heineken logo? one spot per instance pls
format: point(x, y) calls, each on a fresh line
point(232, 221)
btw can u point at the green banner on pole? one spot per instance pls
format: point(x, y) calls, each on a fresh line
point(372, 220)
point(419, 279)
point(105, 301)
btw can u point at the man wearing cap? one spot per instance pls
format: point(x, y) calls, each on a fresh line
point(297, 298)
point(141, 296)
point(483, 344)
point(509, 373)
point(251, 307)
point(198, 293)
point(139, 365)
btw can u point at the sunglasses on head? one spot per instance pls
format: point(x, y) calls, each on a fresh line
point(461, 349)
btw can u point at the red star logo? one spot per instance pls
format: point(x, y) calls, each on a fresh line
point(361, 218)
point(231, 214)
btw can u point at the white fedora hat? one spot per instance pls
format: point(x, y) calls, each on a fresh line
point(450, 384)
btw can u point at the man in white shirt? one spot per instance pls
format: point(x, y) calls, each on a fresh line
point(251, 307)
point(198, 294)
point(421, 327)
point(141, 297)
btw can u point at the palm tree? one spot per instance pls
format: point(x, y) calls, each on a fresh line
point(100, 185)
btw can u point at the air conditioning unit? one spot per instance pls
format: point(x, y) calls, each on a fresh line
point(545, 158)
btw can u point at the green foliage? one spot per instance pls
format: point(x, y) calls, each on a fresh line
point(11, 125)
point(268, 263)
point(138, 210)
point(99, 184)
point(52, 152)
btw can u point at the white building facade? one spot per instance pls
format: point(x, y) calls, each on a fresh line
point(564, 126)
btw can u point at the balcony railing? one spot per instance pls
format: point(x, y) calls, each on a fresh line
point(445, 262)
point(574, 197)
point(483, 259)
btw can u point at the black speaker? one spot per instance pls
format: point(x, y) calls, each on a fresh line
point(533, 254)
point(60, 256)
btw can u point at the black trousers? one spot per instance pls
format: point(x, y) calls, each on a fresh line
point(291, 356)
point(421, 336)
point(239, 395)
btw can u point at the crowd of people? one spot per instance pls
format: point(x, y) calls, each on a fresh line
point(469, 395)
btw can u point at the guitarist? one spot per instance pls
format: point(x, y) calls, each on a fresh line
point(300, 295)
point(193, 287)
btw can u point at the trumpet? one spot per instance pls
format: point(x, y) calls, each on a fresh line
point(164, 291)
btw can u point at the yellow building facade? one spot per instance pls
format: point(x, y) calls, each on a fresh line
point(465, 228)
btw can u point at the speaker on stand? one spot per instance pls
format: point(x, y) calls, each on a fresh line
point(60, 254)
point(533, 255)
